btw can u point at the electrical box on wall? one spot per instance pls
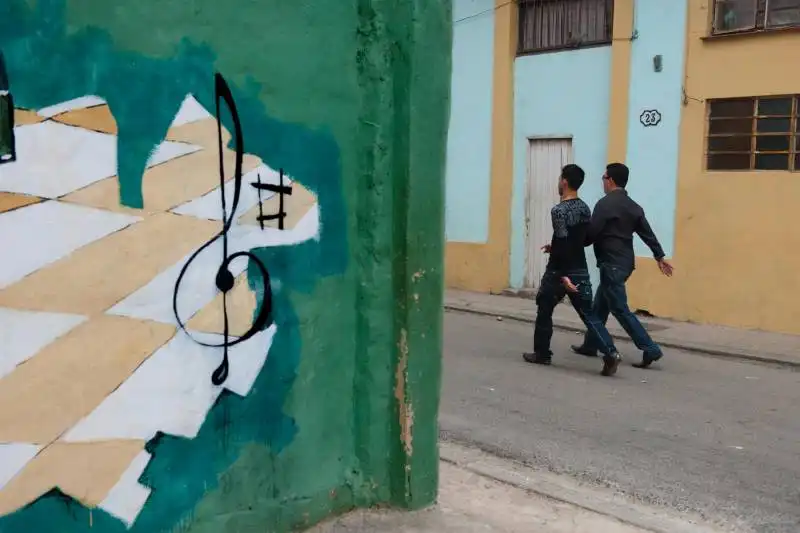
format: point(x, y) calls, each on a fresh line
point(657, 63)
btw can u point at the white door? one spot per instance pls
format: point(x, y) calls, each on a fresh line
point(546, 157)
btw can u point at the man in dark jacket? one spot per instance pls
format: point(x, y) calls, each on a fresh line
point(568, 274)
point(615, 219)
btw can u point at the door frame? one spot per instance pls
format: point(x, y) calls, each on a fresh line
point(530, 139)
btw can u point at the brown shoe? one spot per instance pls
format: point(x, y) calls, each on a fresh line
point(538, 358)
point(580, 349)
point(611, 364)
point(647, 360)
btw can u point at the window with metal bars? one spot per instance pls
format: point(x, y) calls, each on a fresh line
point(754, 134)
point(741, 16)
point(550, 25)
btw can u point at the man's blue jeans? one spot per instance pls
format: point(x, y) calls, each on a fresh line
point(551, 292)
point(611, 298)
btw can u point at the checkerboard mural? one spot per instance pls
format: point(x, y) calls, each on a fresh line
point(93, 361)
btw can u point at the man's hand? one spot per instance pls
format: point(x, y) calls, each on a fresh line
point(665, 267)
point(567, 283)
point(546, 248)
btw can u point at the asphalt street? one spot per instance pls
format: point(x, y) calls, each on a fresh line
point(712, 436)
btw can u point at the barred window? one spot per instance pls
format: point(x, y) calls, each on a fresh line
point(547, 25)
point(734, 16)
point(758, 133)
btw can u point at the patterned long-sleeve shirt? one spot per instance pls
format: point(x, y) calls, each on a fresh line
point(570, 226)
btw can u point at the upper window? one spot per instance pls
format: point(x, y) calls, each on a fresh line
point(546, 25)
point(732, 16)
point(754, 134)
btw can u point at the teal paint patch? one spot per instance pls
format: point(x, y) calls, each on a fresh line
point(49, 63)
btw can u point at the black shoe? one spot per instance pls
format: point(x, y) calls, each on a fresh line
point(647, 360)
point(610, 364)
point(538, 358)
point(580, 349)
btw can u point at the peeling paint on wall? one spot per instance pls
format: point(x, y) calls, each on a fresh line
point(406, 410)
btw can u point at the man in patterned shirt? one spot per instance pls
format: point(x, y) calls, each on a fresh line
point(567, 273)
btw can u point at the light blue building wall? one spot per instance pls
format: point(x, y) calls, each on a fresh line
point(652, 153)
point(470, 136)
point(559, 94)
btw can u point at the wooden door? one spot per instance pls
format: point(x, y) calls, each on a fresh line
point(546, 157)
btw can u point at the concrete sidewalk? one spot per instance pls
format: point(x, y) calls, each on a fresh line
point(480, 493)
point(720, 341)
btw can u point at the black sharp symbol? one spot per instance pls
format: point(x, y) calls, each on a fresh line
point(281, 190)
point(224, 278)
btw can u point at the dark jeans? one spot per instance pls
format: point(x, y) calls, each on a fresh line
point(551, 292)
point(612, 298)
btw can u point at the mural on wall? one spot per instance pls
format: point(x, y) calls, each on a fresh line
point(130, 402)
point(100, 355)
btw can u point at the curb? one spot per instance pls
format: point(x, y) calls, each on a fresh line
point(554, 487)
point(689, 347)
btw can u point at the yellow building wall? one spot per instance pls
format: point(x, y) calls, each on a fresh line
point(619, 95)
point(737, 246)
point(485, 267)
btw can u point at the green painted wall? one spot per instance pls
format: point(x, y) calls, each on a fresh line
point(351, 98)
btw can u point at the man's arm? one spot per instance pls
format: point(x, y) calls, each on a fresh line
point(597, 223)
point(645, 232)
point(558, 244)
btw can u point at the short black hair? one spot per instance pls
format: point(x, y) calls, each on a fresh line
point(574, 176)
point(618, 173)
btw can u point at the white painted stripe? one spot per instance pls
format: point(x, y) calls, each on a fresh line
point(13, 458)
point(172, 390)
point(24, 333)
point(208, 206)
point(309, 226)
point(154, 300)
point(40, 234)
point(70, 105)
point(191, 111)
point(55, 159)
point(127, 498)
point(170, 150)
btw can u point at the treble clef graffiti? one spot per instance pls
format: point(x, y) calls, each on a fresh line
point(224, 278)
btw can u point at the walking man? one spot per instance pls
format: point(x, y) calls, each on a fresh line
point(567, 273)
point(615, 219)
